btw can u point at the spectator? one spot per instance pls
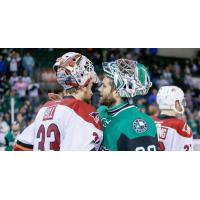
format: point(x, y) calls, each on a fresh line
point(178, 80)
point(193, 125)
point(176, 68)
point(7, 118)
point(28, 63)
point(21, 88)
point(26, 79)
point(2, 66)
point(19, 63)
point(168, 75)
point(20, 119)
point(189, 98)
point(13, 79)
point(198, 65)
point(7, 101)
point(155, 73)
point(153, 51)
point(4, 128)
point(14, 62)
point(4, 85)
point(152, 97)
point(188, 80)
point(162, 82)
point(33, 90)
point(152, 110)
point(11, 137)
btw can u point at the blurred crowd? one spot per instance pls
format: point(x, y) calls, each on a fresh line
point(20, 84)
point(17, 85)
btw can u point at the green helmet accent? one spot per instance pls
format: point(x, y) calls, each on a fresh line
point(143, 79)
point(130, 77)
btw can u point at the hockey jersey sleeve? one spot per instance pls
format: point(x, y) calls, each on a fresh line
point(25, 140)
point(184, 140)
point(81, 135)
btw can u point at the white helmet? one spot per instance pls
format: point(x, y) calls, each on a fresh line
point(78, 70)
point(168, 95)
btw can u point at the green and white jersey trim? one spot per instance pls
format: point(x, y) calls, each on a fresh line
point(119, 108)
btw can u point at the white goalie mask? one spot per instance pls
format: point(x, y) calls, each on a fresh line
point(167, 97)
point(77, 70)
point(130, 77)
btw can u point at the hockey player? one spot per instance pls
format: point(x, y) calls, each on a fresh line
point(70, 123)
point(173, 133)
point(125, 127)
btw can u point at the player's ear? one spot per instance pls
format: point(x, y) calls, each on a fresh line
point(178, 106)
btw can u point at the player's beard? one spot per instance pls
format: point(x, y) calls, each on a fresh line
point(107, 100)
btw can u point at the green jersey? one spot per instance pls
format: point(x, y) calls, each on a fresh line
point(125, 128)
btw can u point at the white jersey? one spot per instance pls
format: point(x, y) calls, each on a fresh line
point(68, 124)
point(173, 134)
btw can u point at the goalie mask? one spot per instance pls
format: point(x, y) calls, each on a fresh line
point(130, 77)
point(167, 97)
point(74, 70)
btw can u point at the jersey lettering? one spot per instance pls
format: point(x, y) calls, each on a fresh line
point(163, 133)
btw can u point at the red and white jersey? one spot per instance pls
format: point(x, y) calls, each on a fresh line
point(68, 124)
point(173, 134)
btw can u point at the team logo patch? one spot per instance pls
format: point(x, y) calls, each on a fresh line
point(95, 116)
point(140, 126)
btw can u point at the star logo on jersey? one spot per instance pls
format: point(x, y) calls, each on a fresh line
point(95, 116)
point(140, 126)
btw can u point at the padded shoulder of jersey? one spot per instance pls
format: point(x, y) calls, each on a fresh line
point(102, 110)
point(82, 109)
point(136, 113)
point(179, 125)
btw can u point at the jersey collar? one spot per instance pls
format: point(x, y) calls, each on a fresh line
point(165, 117)
point(117, 108)
point(68, 97)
